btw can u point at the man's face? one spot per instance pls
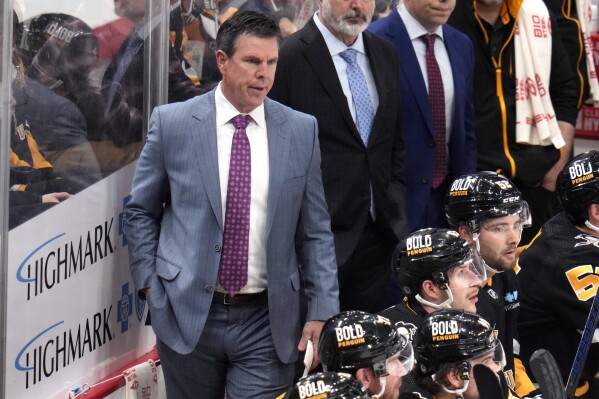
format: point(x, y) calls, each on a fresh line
point(464, 285)
point(133, 10)
point(430, 13)
point(249, 73)
point(347, 17)
point(499, 238)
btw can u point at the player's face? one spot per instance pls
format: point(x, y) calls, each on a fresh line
point(464, 282)
point(347, 17)
point(430, 13)
point(249, 73)
point(499, 238)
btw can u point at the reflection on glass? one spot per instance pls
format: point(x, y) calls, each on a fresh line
point(78, 102)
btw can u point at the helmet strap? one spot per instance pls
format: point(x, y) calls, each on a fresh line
point(383, 381)
point(459, 393)
point(591, 226)
point(445, 305)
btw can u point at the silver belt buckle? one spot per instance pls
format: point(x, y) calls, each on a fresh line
point(226, 298)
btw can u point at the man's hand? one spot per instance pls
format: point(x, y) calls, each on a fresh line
point(55, 197)
point(146, 292)
point(311, 332)
point(550, 178)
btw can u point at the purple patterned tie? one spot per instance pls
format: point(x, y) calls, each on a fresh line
point(233, 273)
point(436, 98)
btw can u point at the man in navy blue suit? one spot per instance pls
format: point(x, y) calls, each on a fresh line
point(433, 157)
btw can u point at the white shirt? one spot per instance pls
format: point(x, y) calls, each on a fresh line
point(336, 47)
point(256, 133)
point(415, 31)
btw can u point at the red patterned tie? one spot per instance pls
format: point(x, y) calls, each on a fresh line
point(436, 98)
point(233, 273)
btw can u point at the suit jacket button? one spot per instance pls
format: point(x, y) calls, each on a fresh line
point(217, 247)
point(424, 180)
point(208, 288)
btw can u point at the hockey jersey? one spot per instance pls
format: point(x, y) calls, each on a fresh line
point(560, 274)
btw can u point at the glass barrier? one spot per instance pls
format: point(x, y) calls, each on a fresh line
point(79, 80)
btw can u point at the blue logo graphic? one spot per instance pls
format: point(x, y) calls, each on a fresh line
point(511, 297)
point(18, 364)
point(20, 276)
point(140, 305)
point(122, 220)
point(125, 308)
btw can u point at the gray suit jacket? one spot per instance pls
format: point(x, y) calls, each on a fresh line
point(175, 229)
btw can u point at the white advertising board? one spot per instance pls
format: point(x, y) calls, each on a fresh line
point(73, 316)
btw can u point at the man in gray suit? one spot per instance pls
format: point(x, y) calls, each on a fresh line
point(224, 224)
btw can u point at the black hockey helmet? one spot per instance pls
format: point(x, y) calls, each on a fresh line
point(428, 254)
point(578, 185)
point(354, 339)
point(476, 197)
point(454, 336)
point(327, 385)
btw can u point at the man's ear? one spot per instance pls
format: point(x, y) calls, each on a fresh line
point(594, 214)
point(452, 380)
point(466, 234)
point(364, 376)
point(429, 291)
point(221, 59)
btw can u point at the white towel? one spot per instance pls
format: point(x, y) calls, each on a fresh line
point(536, 123)
point(583, 8)
point(142, 381)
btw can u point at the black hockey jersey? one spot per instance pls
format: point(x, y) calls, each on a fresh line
point(560, 276)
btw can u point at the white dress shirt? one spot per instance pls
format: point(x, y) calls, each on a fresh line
point(256, 133)
point(416, 30)
point(336, 47)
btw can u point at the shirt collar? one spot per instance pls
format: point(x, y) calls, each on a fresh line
point(415, 28)
point(225, 111)
point(335, 45)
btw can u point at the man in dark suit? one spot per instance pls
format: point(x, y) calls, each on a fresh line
point(406, 26)
point(123, 80)
point(226, 219)
point(360, 139)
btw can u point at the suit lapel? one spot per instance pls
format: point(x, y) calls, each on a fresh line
point(457, 64)
point(410, 67)
point(324, 69)
point(278, 154)
point(203, 136)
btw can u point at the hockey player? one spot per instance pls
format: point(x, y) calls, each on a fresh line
point(436, 269)
point(327, 385)
point(488, 211)
point(448, 344)
point(370, 348)
point(560, 270)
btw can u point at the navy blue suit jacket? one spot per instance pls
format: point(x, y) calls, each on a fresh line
point(418, 123)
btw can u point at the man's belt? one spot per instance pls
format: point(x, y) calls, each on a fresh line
point(239, 299)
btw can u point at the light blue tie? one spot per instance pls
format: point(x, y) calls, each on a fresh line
point(362, 104)
point(360, 94)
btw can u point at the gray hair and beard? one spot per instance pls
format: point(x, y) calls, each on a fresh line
point(341, 24)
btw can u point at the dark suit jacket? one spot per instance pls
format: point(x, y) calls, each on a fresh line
point(307, 81)
point(124, 118)
point(418, 123)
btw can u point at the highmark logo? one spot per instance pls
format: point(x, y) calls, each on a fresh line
point(55, 261)
point(56, 348)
